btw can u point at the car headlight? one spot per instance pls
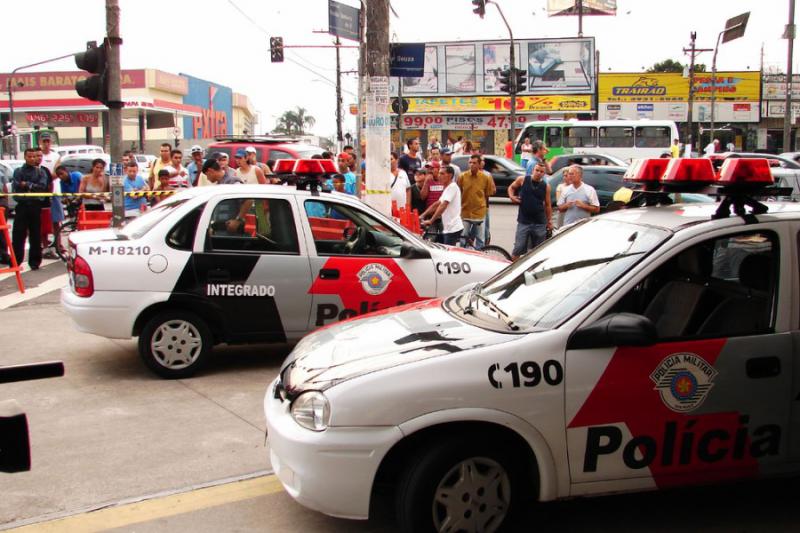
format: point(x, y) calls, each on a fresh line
point(312, 411)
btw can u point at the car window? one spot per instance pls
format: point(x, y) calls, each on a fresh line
point(602, 180)
point(257, 225)
point(722, 287)
point(339, 229)
point(566, 272)
point(280, 154)
point(616, 137)
point(578, 137)
point(554, 137)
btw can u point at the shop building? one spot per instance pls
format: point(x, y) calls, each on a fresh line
point(773, 111)
point(158, 107)
point(665, 96)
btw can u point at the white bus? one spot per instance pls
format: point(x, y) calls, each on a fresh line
point(625, 139)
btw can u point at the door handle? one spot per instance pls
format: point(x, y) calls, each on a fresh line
point(763, 367)
point(329, 273)
point(219, 276)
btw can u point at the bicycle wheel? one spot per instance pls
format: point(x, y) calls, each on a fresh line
point(496, 251)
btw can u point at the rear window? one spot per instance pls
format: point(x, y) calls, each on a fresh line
point(280, 154)
point(603, 180)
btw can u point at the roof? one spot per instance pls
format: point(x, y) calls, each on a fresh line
point(287, 190)
point(679, 216)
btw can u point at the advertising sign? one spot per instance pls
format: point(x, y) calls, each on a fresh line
point(559, 103)
point(343, 20)
point(554, 66)
point(557, 8)
point(644, 110)
point(463, 122)
point(429, 81)
point(678, 111)
point(65, 81)
point(774, 87)
point(460, 68)
point(65, 118)
point(673, 87)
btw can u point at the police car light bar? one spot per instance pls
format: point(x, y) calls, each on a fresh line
point(314, 167)
point(689, 172)
point(284, 166)
point(646, 170)
point(738, 172)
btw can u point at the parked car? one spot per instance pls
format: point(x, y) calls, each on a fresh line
point(267, 148)
point(83, 162)
point(504, 171)
point(565, 160)
point(7, 167)
point(79, 149)
point(794, 156)
point(606, 180)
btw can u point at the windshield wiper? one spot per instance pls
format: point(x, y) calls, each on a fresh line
point(533, 277)
point(470, 308)
point(496, 308)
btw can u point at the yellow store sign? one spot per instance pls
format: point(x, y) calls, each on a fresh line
point(560, 103)
point(673, 87)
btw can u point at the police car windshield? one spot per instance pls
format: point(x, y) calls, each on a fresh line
point(137, 227)
point(565, 273)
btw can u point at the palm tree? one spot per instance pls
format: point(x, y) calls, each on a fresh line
point(294, 122)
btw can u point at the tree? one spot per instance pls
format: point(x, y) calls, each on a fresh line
point(294, 122)
point(670, 65)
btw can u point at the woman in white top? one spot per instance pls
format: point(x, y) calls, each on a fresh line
point(400, 187)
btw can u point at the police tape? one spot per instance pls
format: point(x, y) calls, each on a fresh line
point(132, 194)
point(377, 191)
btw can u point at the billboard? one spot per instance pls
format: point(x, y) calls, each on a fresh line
point(216, 102)
point(590, 7)
point(774, 87)
point(673, 87)
point(678, 111)
point(554, 66)
point(557, 103)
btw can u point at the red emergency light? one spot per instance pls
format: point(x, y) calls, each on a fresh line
point(739, 172)
point(314, 167)
point(284, 166)
point(646, 170)
point(689, 172)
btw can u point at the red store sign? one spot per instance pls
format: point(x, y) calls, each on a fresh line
point(68, 118)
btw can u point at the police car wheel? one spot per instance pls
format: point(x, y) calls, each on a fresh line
point(175, 344)
point(458, 485)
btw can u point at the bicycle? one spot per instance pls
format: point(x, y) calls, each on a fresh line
point(431, 233)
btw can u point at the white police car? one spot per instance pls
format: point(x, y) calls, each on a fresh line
point(641, 349)
point(241, 263)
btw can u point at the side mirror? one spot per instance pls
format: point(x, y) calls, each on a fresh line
point(409, 251)
point(618, 329)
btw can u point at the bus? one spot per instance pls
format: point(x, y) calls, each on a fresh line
point(625, 139)
point(25, 138)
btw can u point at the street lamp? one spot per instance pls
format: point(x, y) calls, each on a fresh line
point(734, 28)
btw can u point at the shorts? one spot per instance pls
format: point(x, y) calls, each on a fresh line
point(57, 210)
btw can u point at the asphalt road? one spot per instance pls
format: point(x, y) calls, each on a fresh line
point(116, 448)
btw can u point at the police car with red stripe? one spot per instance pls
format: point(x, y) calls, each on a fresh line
point(642, 349)
point(261, 263)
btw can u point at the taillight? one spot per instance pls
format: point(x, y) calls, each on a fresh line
point(82, 280)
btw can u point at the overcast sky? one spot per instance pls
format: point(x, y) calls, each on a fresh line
point(226, 41)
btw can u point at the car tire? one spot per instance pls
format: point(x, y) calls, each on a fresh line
point(496, 251)
point(488, 500)
point(175, 344)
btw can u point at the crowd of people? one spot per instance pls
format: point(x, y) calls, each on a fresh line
point(453, 205)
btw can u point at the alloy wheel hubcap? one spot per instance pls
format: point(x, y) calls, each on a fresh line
point(176, 344)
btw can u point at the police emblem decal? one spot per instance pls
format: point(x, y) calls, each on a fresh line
point(374, 278)
point(683, 380)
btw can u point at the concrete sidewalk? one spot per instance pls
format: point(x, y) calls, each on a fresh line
point(110, 430)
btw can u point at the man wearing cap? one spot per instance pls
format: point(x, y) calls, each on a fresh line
point(252, 159)
point(195, 167)
point(249, 174)
point(447, 159)
point(49, 156)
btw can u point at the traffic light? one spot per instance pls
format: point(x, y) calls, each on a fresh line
point(505, 81)
point(480, 7)
point(93, 60)
point(276, 49)
point(520, 80)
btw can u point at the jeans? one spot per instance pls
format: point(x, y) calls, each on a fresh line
point(449, 238)
point(473, 229)
point(527, 237)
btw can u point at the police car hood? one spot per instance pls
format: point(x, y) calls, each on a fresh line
point(379, 341)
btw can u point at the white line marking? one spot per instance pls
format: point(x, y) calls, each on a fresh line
point(50, 285)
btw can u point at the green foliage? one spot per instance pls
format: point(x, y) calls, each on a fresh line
point(670, 65)
point(294, 122)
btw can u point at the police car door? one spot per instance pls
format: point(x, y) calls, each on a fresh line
point(252, 267)
point(709, 400)
point(356, 264)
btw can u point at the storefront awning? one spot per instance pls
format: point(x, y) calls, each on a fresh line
point(131, 109)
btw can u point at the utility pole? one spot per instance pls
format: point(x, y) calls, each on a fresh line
point(362, 69)
point(113, 79)
point(579, 5)
point(787, 114)
point(338, 95)
point(378, 120)
point(692, 51)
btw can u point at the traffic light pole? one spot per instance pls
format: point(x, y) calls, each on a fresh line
point(9, 87)
point(513, 78)
point(113, 79)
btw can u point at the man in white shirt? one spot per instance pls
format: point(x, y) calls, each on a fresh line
point(50, 157)
point(178, 177)
point(448, 208)
point(712, 147)
point(578, 200)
